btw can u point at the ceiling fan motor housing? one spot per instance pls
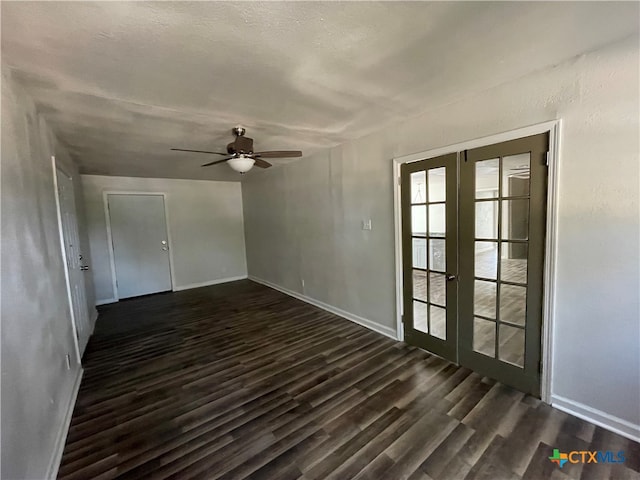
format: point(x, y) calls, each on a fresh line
point(241, 145)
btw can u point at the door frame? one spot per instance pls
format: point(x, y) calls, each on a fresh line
point(551, 244)
point(112, 257)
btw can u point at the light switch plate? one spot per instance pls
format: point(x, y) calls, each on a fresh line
point(366, 224)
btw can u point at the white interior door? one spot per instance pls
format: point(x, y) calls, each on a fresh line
point(73, 258)
point(140, 244)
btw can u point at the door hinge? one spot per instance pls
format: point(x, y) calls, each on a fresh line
point(540, 367)
point(546, 159)
point(399, 180)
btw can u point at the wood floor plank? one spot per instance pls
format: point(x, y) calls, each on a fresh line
point(240, 381)
point(491, 464)
point(427, 436)
point(347, 449)
point(441, 456)
point(359, 464)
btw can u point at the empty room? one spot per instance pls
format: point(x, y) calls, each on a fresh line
point(320, 240)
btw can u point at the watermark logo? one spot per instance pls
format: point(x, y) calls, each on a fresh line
point(559, 458)
point(586, 456)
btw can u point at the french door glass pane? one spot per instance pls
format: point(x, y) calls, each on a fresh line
point(486, 259)
point(487, 219)
point(513, 262)
point(437, 185)
point(487, 175)
point(418, 187)
point(438, 321)
point(419, 253)
point(437, 220)
point(437, 255)
point(419, 220)
point(437, 289)
point(420, 316)
point(513, 304)
point(515, 219)
point(516, 175)
point(484, 299)
point(420, 285)
point(511, 347)
point(484, 336)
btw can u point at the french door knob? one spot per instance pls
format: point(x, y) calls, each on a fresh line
point(450, 278)
point(84, 268)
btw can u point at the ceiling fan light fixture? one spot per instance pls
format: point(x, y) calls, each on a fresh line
point(241, 163)
point(240, 154)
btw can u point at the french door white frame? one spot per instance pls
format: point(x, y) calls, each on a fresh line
point(548, 300)
point(112, 258)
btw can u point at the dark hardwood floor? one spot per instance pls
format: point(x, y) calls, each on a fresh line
point(241, 381)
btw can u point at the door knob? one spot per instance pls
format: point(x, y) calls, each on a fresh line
point(450, 278)
point(84, 267)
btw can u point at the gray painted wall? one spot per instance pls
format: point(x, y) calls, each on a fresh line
point(302, 221)
point(204, 220)
point(36, 322)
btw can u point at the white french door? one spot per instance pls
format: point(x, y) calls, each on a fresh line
point(73, 260)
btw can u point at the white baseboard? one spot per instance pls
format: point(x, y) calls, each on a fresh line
point(371, 325)
point(105, 301)
point(597, 417)
point(61, 437)
point(208, 283)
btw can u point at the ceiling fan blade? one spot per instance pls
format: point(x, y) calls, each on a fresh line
point(279, 154)
point(216, 161)
point(197, 151)
point(261, 163)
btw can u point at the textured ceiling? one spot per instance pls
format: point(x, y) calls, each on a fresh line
point(122, 82)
